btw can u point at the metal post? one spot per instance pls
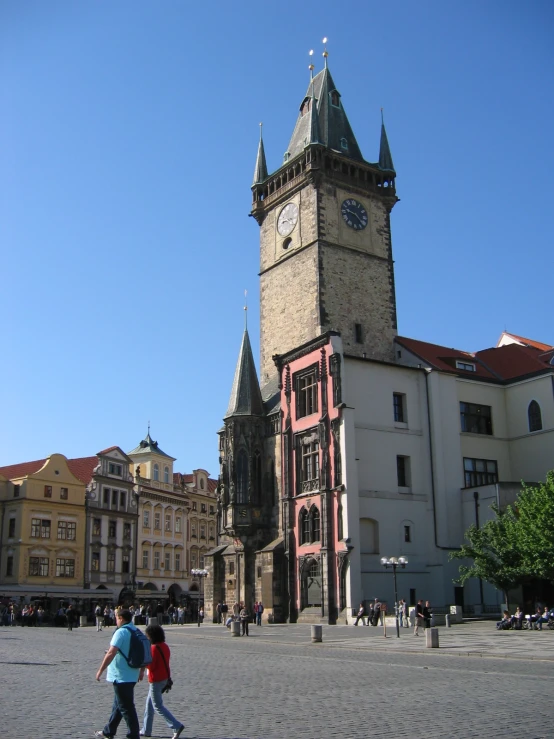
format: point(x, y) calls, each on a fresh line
point(396, 602)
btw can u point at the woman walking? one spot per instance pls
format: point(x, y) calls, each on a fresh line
point(158, 675)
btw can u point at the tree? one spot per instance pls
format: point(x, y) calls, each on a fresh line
point(534, 509)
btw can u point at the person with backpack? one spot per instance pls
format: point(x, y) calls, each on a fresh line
point(259, 614)
point(124, 661)
point(159, 679)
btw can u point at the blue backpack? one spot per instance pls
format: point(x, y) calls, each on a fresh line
point(140, 652)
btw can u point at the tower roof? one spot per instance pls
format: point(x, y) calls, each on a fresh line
point(149, 446)
point(385, 157)
point(335, 131)
point(260, 170)
point(246, 398)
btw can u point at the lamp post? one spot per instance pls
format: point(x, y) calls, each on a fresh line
point(394, 562)
point(201, 574)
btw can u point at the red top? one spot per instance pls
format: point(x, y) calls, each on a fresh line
point(156, 669)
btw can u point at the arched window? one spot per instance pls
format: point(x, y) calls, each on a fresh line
point(316, 524)
point(535, 417)
point(156, 471)
point(242, 477)
point(304, 526)
point(335, 98)
point(311, 585)
point(166, 474)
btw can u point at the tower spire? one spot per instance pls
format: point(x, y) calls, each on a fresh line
point(314, 136)
point(260, 170)
point(246, 398)
point(385, 157)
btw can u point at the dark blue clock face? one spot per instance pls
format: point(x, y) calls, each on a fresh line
point(354, 214)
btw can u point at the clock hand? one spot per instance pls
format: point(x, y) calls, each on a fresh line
point(352, 213)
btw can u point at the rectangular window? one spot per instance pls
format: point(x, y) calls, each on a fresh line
point(64, 493)
point(212, 537)
point(202, 531)
point(96, 527)
point(106, 497)
point(115, 497)
point(65, 567)
point(177, 561)
point(480, 472)
point(11, 527)
point(231, 568)
point(122, 499)
point(310, 466)
point(403, 471)
point(111, 561)
point(476, 419)
point(16, 489)
point(9, 567)
point(157, 521)
point(177, 524)
point(358, 333)
point(127, 531)
point(167, 561)
point(35, 527)
point(407, 534)
point(193, 531)
point(168, 522)
point(145, 564)
point(306, 394)
point(466, 366)
point(156, 560)
point(67, 530)
point(40, 528)
point(146, 519)
point(212, 510)
point(95, 564)
point(193, 560)
point(114, 469)
point(112, 529)
point(48, 491)
point(203, 508)
point(125, 564)
point(398, 402)
point(38, 566)
point(193, 505)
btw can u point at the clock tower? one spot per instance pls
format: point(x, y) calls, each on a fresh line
point(325, 242)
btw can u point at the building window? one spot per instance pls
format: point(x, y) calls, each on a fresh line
point(466, 366)
point(310, 466)
point(534, 416)
point(145, 559)
point(125, 564)
point(106, 496)
point(67, 530)
point(40, 528)
point(122, 499)
point(202, 530)
point(95, 564)
point(157, 521)
point(146, 519)
point(168, 521)
point(201, 561)
point(304, 527)
point(11, 528)
point(177, 561)
point(344, 144)
point(16, 489)
point(38, 566)
point(156, 472)
point(9, 566)
point(310, 525)
point(403, 471)
point(242, 477)
point(167, 561)
point(48, 491)
point(358, 338)
point(193, 559)
point(306, 394)
point(166, 474)
point(115, 469)
point(156, 560)
point(231, 568)
point(212, 536)
point(112, 529)
point(480, 472)
point(111, 561)
point(65, 567)
point(316, 524)
point(177, 524)
point(407, 534)
point(115, 497)
point(398, 402)
point(193, 505)
point(193, 531)
point(476, 419)
point(203, 508)
point(212, 510)
point(64, 493)
point(335, 99)
point(96, 527)
point(127, 531)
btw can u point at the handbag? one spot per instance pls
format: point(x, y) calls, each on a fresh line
point(169, 684)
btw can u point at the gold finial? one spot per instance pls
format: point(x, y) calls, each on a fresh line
point(311, 66)
point(261, 126)
point(325, 52)
point(246, 309)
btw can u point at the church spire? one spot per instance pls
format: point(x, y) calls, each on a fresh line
point(314, 136)
point(385, 157)
point(246, 398)
point(260, 170)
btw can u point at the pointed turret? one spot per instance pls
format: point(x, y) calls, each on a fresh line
point(385, 158)
point(260, 170)
point(246, 398)
point(314, 136)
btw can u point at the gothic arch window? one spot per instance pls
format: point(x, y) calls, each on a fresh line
point(166, 474)
point(535, 416)
point(242, 477)
point(156, 472)
point(257, 475)
point(316, 524)
point(309, 524)
point(304, 525)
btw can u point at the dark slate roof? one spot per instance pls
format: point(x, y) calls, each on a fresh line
point(260, 170)
point(332, 124)
point(271, 395)
point(148, 446)
point(246, 399)
point(385, 158)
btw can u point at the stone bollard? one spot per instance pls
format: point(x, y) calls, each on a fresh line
point(83, 621)
point(153, 621)
point(432, 638)
point(317, 633)
point(235, 628)
point(447, 620)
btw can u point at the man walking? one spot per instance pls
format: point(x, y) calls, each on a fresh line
point(419, 617)
point(360, 615)
point(99, 619)
point(123, 677)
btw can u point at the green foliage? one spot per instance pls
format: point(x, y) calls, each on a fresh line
point(535, 511)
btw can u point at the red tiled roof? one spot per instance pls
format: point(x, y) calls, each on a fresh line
point(13, 471)
point(529, 342)
point(513, 360)
point(83, 468)
point(179, 477)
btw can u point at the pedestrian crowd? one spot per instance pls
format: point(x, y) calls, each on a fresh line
point(420, 618)
point(532, 621)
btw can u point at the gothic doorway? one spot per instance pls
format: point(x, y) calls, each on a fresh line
point(311, 585)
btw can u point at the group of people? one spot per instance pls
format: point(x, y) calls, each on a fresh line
point(28, 615)
point(534, 621)
point(422, 614)
point(124, 678)
point(239, 612)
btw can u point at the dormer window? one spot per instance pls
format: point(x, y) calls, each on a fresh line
point(306, 105)
point(466, 366)
point(286, 156)
point(344, 144)
point(335, 99)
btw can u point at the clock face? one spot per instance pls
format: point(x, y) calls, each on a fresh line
point(354, 214)
point(288, 218)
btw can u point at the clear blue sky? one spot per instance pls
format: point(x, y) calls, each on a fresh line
point(128, 137)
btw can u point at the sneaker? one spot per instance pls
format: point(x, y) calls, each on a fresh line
point(101, 734)
point(143, 734)
point(177, 734)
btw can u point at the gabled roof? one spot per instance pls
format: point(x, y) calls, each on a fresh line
point(246, 399)
point(179, 478)
point(82, 468)
point(508, 338)
point(149, 446)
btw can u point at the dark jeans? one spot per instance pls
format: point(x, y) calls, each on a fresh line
point(123, 707)
point(244, 622)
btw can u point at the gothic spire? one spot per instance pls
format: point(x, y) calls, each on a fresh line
point(246, 398)
point(385, 157)
point(260, 170)
point(314, 135)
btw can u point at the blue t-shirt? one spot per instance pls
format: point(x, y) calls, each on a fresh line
point(118, 669)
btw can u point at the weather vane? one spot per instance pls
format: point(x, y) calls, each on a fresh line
point(325, 52)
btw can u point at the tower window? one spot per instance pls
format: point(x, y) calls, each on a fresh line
point(534, 416)
point(344, 144)
point(407, 534)
point(156, 472)
point(358, 333)
point(335, 98)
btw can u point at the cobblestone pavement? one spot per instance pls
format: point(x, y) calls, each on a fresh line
point(275, 684)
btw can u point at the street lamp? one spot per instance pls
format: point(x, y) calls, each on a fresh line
point(201, 574)
point(394, 562)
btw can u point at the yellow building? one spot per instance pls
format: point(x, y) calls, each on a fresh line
point(42, 537)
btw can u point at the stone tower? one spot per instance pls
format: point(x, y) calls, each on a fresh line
point(325, 242)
